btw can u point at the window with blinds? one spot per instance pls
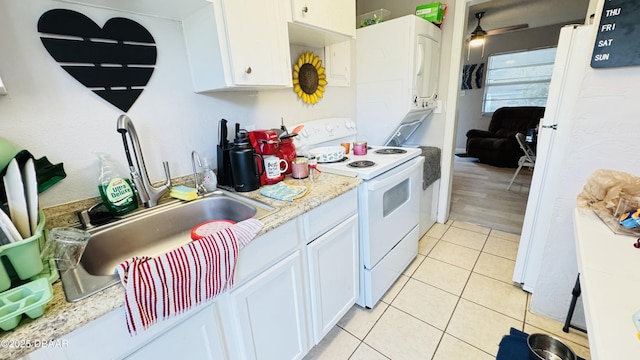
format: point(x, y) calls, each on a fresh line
point(518, 79)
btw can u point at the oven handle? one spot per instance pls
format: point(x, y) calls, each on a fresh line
point(396, 178)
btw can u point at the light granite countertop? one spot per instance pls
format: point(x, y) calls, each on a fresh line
point(61, 317)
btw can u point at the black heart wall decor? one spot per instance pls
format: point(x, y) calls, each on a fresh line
point(115, 61)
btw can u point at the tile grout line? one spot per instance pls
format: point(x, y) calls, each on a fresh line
point(459, 297)
point(458, 301)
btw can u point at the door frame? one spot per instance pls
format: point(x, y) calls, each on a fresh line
point(460, 18)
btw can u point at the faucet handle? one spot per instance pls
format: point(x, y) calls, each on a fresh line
point(167, 174)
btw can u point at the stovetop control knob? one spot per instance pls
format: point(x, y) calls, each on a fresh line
point(329, 128)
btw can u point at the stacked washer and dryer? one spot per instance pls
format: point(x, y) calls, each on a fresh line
point(397, 74)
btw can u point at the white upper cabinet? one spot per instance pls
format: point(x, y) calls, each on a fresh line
point(238, 44)
point(337, 61)
point(334, 15)
point(322, 22)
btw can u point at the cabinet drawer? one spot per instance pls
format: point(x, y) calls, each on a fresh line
point(320, 220)
point(265, 251)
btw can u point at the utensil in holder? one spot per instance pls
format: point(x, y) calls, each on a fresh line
point(22, 258)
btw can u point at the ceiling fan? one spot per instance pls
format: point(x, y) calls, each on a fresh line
point(478, 34)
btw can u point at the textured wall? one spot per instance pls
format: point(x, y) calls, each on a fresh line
point(605, 127)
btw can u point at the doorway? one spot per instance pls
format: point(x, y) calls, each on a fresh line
point(479, 192)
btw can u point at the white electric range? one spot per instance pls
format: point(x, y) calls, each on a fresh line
point(388, 201)
point(377, 161)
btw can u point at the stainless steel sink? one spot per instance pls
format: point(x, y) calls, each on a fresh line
point(150, 232)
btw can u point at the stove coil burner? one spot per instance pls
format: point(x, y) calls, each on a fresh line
point(386, 151)
point(361, 164)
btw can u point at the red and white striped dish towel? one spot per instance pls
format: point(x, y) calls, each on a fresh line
point(158, 288)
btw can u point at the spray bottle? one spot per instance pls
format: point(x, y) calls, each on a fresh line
point(115, 190)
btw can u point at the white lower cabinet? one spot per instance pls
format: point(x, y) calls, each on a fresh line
point(199, 337)
point(269, 313)
point(333, 275)
point(292, 285)
point(196, 334)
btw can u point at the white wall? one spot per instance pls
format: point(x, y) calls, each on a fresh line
point(605, 125)
point(50, 114)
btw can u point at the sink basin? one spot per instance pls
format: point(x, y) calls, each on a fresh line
point(150, 232)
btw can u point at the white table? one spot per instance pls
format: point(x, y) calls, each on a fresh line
point(609, 267)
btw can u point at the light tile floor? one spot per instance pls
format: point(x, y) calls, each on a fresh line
point(455, 301)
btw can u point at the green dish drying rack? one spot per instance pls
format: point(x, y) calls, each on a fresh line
point(25, 280)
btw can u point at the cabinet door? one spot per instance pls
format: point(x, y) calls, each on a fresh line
point(194, 335)
point(199, 337)
point(333, 272)
point(338, 64)
point(269, 312)
point(334, 15)
point(258, 42)
point(311, 12)
point(342, 16)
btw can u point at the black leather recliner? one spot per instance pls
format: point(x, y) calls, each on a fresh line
point(498, 146)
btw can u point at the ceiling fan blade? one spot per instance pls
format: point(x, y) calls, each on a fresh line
point(505, 29)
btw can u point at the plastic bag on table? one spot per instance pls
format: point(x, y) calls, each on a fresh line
point(611, 194)
point(604, 189)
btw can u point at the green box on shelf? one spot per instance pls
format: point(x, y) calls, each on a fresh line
point(23, 256)
point(433, 12)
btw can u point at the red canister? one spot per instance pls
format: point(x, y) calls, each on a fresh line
point(360, 148)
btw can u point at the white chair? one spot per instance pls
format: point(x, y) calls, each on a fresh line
point(528, 159)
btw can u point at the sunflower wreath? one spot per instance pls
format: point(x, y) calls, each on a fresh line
point(309, 78)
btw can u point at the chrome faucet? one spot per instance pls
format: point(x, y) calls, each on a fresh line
point(148, 194)
point(195, 158)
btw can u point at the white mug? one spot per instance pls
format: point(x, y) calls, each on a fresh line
point(273, 166)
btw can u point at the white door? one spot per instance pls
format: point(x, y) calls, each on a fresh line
point(572, 58)
point(269, 311)
point(333, 275)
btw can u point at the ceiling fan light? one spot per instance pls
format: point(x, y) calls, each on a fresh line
point(477, 35)
point(476, 40)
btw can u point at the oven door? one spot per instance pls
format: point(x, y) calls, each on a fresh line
point(389, 207)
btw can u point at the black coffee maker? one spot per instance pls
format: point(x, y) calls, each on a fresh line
point(244, 163)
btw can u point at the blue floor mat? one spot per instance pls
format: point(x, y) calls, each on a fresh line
point(514, 346)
